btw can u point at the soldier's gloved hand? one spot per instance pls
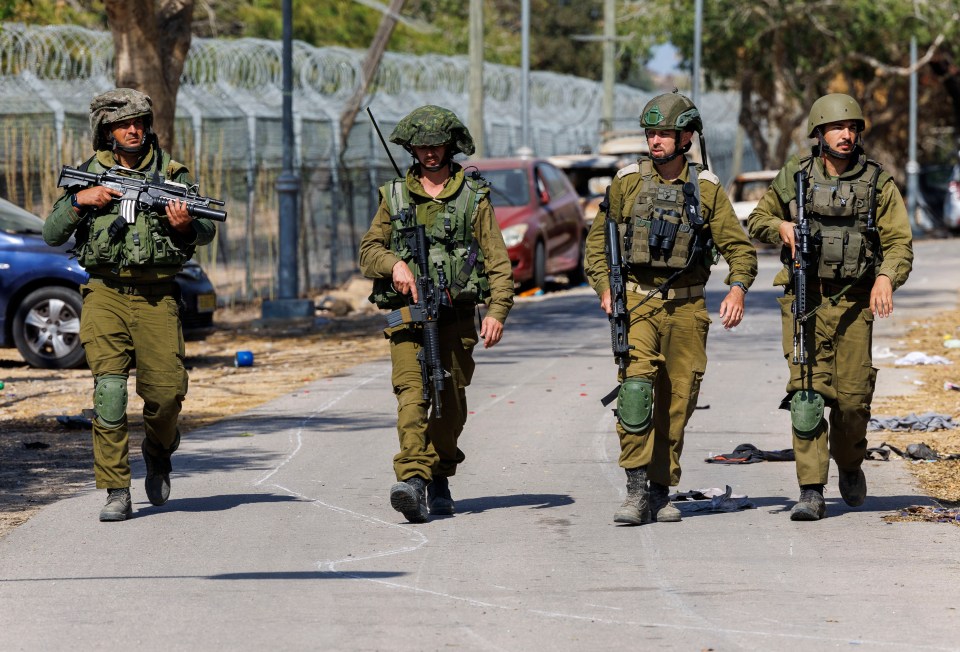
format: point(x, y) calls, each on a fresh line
point(404, 281)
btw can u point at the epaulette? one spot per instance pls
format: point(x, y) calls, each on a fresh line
point(707, 175)
point(633, 168)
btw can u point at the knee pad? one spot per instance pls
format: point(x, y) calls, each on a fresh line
point(110, 400)
point(806, 413)
point(635, 404)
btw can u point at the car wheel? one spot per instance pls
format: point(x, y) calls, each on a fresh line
point(577, 275)
point(540, 266)
point(46, 328)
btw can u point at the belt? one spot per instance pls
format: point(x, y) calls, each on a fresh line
point(689, 292)
point(139, 290)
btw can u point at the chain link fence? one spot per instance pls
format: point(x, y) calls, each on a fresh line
point(229, 132)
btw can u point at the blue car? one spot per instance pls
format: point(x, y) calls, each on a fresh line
point(40, 298)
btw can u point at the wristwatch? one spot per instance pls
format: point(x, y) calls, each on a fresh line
point(739, 285)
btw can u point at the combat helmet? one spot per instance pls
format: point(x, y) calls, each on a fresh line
point(834, 108)
point(671, 111)
point(115, 106)
point(433, 125)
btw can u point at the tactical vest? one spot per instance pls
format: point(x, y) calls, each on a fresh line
point(658, 231)
point(450, 243)
point(842, 214)
point(146, 242)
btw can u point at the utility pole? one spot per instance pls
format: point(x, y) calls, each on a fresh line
point(287, 306)
point(697, 46)
point(475, 123)
point(609, 55)
point(525, 74)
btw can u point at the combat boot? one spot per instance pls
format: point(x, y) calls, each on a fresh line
point(853, 487)
point(409, 498)
point(661, 509)
point(810, 507)
point(635, 509)
point(438, 497)
point(157, 482)
point(118, 507)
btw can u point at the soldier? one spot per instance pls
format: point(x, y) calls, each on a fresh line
point(863, 252)
point(458, 217)
point(131, 302)
point(670, 213)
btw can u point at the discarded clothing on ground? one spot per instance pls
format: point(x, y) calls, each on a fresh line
point(926, 422)
point(748, 454)
point(919, 452)
point(721, 500)
point(74, 423)
point(918, 357)
point(928, 514)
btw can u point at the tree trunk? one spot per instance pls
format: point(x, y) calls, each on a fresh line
point(151, 39)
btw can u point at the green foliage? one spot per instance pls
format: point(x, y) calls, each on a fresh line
point(86, 13)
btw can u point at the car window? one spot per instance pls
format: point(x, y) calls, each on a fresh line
point(14, 219)
point(508, 187)
point(554, 180)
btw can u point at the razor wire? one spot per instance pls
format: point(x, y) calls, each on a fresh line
point(229, 132)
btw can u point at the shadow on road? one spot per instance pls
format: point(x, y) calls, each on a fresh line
point(535, 501)
point(213, 503)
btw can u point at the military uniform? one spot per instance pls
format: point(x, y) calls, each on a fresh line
point(130, 314)
point(669, 230)
point(460, 226)
point(668, 336)
point(841, 370)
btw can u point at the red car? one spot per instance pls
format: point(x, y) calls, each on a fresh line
point(540, 216)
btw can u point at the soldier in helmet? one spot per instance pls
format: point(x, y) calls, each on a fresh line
point(863, 251)
point(131, 303)
point(671, 216)
point(467, 248)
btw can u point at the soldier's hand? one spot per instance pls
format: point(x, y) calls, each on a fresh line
point(180, 219)
point(404, 281)
point(97, 196)
point(491, 331)
point(731, 308)
point(881, 297)
point(606, 301)
point(789, 236)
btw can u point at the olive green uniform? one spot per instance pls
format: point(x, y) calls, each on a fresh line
point(841, 365)
point(130, 316)
point(428, 447)
point(668, 337)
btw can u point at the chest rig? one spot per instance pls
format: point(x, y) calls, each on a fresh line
point(664, 222)
point(842, 214)
point(455, 258)
point(125, 236)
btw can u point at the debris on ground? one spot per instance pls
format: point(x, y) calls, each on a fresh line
point(927, 422)
point(926, 514)
point(920, 358)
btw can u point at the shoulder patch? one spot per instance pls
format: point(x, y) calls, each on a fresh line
point(707, 175)
point(633, 168)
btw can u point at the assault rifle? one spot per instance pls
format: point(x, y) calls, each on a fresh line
point(619, 317)
point(802, 262)
point(426, 310)
point(139, 191)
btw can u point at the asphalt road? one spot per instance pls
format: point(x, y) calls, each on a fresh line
point(279, 534)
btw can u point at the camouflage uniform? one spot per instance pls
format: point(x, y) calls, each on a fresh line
point(131, 303)
point(428, 446)
point(840, 375)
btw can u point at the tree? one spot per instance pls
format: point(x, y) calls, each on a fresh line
point(151, 40)
point(783, 54)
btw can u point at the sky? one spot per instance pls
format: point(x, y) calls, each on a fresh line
point(664, 59)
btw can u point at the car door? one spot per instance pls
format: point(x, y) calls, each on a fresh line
point(565, 219)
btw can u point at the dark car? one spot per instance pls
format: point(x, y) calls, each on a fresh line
point(540, 216)
point(40, 299)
